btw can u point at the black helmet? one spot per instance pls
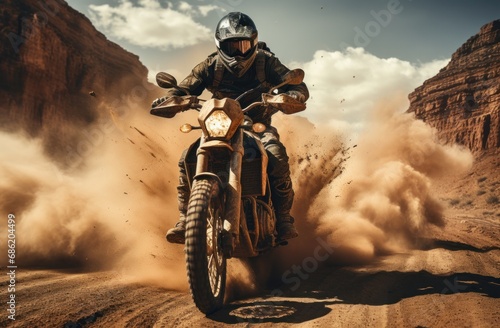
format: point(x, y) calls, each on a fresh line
point(236, 41)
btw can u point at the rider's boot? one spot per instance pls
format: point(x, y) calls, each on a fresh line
point(282, 196)
point(176, 235)
point(286, 229)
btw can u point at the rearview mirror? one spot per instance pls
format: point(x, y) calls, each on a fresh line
point(294, 77)
point(165, 80)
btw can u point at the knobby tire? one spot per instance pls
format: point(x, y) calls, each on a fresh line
point(206, 265)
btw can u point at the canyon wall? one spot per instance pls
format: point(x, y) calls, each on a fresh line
point(57, 70)
point(463, 100)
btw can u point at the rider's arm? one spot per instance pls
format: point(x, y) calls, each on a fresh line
point(195, 83)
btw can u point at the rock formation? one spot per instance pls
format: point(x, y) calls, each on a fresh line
point(57, 69)
point(463, 100)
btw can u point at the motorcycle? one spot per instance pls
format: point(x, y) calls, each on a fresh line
point(230, 212)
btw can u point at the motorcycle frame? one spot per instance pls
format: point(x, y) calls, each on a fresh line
point(233, 188)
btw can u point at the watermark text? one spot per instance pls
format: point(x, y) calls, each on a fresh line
point(11, 267)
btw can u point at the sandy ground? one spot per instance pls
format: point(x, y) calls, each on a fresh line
point(453, 280)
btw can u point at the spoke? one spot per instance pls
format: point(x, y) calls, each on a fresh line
point(211, 216)
point(213, 275)
point(214, 253)
point(210, 232)
point(210, 261)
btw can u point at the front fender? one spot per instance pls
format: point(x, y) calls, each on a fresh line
point(209, 175)
point(215, 144)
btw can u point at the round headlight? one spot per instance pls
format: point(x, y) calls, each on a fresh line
point(217, 124)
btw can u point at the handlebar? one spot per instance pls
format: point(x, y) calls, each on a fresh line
point(280, 102)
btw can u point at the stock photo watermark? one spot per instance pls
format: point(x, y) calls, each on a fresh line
point(381, 19)
point(11, 267)
point(41, 18)
point(225, 6)
point(293, 277)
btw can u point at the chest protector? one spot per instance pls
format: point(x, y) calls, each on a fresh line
point(260, 70)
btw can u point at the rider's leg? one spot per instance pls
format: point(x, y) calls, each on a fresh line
point(282, 193)
point(177, 233)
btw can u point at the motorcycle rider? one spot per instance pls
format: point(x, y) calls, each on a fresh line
point(241, 63)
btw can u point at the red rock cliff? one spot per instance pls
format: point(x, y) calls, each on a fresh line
point(463, 100)
point(52, 58)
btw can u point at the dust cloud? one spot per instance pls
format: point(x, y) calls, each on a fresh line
point(106, 205)
point(383, 201)
point(355, 199)
point(110, 203)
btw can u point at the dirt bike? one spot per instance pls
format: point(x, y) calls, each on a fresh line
point(230, 212)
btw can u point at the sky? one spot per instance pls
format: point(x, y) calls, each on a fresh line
point(356, 54)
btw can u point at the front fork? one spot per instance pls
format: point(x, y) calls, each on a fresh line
point(232, 210)
point(233, 190)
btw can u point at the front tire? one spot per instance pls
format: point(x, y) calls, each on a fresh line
point(205, 261)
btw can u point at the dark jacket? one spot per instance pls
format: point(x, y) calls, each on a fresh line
point(230, 86)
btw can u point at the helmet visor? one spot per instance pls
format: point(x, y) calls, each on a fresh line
point(236, 47)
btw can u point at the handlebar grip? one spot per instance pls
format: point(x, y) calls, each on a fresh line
point(175, 104)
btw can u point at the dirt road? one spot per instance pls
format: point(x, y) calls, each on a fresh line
point(452, 281)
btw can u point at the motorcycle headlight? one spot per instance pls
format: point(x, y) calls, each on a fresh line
point(217, 124)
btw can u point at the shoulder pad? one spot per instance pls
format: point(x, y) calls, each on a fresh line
point(267, 53)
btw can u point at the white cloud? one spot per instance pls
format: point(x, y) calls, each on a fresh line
point(204, 10)
point(149, 24)
point(346, 87)
point(186, 7)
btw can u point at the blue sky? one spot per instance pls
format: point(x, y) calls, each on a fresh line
point(355, 53)
point(417, 30)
